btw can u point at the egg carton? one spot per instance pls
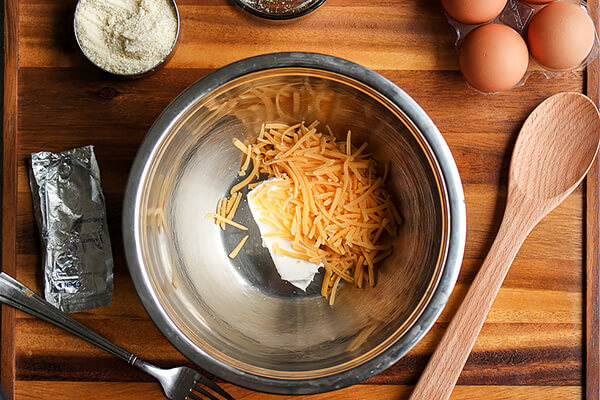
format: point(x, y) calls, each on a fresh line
point(517, 14)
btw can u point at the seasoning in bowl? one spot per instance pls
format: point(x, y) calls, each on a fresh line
point(126, 37)
point(279, 9)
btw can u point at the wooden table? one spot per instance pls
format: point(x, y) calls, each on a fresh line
point(533, 343)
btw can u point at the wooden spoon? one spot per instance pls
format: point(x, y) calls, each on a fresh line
point(555, 149)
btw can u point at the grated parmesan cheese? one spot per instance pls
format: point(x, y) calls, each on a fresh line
point(126, 36)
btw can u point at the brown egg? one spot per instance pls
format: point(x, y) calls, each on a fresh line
point(473, 11)
point(493, 58)
point(561, 36)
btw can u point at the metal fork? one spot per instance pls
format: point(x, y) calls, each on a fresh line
point(178, 383)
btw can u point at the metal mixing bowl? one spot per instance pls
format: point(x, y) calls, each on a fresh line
point(279, 9)
point(142, 74)
point(234, 317)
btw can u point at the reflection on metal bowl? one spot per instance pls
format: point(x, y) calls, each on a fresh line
point(236, 318)
point(279, 9)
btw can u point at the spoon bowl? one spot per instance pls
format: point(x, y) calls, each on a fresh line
point(560, 138)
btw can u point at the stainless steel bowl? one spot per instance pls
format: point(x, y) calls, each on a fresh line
point(236, 318)
point(141, 74)
point(279, 9)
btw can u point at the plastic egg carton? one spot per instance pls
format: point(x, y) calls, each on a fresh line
point(517, 14)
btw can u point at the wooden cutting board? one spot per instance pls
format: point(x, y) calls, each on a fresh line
point(533, 345)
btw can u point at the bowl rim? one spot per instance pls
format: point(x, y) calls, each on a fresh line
point(279, 17)
point(136, 75)
point(455, 204)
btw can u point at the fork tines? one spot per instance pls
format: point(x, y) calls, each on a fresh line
point(202, 380)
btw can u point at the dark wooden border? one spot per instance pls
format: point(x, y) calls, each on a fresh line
point(592, 379)
point(592, 304)
point(9, 207)
point(9, 187)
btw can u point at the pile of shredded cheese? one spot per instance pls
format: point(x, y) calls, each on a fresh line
point(327, 200)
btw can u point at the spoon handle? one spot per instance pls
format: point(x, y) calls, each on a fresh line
point(444, 367)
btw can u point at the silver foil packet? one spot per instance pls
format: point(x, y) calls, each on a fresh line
point(71, 214)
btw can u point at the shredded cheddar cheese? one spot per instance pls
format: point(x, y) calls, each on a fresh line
point(327, 200)
point(221, 211)
point(227, 221)
point(246, 163)
point(235, 200)
point(237, 249)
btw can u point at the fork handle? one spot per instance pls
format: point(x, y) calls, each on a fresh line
point(17, 295)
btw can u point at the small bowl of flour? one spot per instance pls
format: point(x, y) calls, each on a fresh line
point(128, 38)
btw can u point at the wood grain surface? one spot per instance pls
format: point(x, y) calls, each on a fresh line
point(532, 345)
point(9, 187)
point(553, 152)
point(592, 381)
